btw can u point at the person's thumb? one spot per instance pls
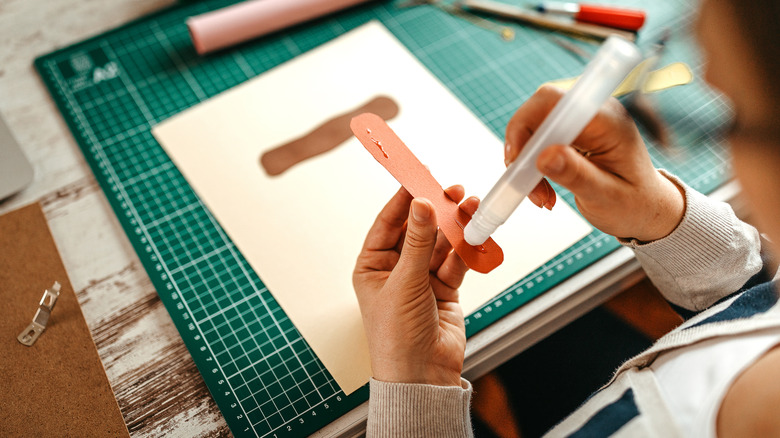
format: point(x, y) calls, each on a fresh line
point(419, 242)
point(567, 167)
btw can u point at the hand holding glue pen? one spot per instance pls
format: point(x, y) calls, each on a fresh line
point(609, 67)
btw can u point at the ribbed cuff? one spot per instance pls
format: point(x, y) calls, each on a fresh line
point(709, 254)
point(419, 410)
point(702, 237)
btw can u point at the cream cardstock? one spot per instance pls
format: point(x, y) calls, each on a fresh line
point(301, 231)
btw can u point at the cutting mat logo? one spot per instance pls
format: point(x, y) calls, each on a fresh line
point(109, 71)
point(81, 63)
point(89, 68)
point(84, 64)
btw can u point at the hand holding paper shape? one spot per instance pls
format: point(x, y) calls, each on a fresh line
point(393, 154)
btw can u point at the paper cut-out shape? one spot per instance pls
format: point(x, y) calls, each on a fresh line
point(392, 153)
point(323, 138)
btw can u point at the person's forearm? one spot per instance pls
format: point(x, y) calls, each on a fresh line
point(710, 255)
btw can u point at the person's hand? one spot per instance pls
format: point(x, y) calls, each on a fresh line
point(608, 170)
point(406, 280)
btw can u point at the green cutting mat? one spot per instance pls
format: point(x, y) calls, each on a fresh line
point(111, 89)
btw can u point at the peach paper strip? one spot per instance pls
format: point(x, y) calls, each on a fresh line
point(385, 146)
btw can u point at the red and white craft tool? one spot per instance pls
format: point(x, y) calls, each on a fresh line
point(611, 16)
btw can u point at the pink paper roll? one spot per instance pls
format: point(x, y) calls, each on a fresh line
point(250, 19)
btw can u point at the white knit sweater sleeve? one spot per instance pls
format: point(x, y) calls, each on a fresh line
point(710, 254)
point(417, 410)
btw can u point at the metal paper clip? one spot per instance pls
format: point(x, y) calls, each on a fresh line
point(38, 324)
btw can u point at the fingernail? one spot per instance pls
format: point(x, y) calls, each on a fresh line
point(548, 204)
point(554, 165)
point(507, 151)
point(420, 210)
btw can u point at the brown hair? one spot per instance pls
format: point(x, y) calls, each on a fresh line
point(759, 21)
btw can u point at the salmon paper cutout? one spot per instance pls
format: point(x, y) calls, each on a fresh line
point(388, 149)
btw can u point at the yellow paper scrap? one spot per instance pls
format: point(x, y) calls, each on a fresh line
point(672, 75)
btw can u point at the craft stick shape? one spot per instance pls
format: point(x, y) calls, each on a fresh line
point(324, 137)
point(387, 148)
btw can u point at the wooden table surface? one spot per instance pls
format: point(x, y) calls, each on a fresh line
point(156, 383)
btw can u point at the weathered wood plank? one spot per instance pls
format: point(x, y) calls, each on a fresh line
point(158, 387)
point(153, 375)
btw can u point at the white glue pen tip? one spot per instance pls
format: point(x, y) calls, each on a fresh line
point(474, 236)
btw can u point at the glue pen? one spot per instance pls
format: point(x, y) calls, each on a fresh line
point(612, 63)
